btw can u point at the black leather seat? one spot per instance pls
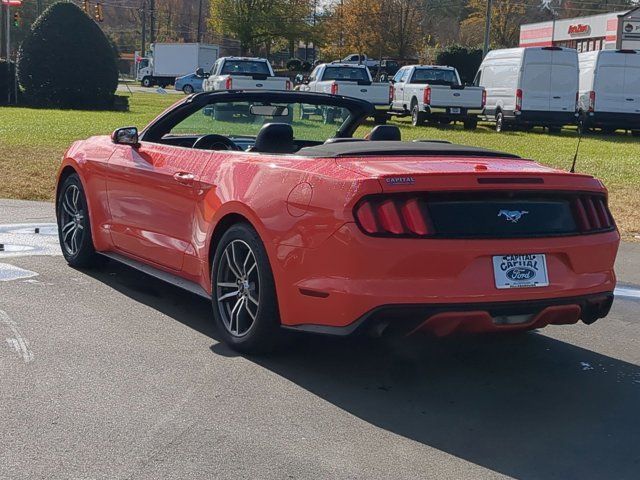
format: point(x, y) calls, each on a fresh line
point(385, 133)
point(274, 138)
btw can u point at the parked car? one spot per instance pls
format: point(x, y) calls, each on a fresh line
point(435, 93)
point(244, 73)
point(191, 83)
point(527, 87)
point(357, 59)
point(283, 228)
point(350, 81)
point(241, 73)
point(170, 60)
point(610, 90)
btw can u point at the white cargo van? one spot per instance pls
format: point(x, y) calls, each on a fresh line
point(610, 90)
point(536, 86)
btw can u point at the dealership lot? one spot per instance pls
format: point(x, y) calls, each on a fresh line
point(112, 374)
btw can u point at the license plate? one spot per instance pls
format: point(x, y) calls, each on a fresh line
point(520, 271)
point(454, 110)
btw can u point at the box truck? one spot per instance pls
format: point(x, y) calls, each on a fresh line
point(170, 60)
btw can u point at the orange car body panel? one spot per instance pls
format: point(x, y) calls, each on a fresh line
point(326, 270)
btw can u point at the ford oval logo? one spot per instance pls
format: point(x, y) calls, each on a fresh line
point(520, 273)
point(259, 85)
point(456, 94)
point(363, 90)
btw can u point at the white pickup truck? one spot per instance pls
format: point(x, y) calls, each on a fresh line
point(240, 73)
point(244, 73)
point(432, 92)
point(356, 59)
point(349, 81)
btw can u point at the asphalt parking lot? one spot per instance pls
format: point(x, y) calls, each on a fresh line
point(111, 374)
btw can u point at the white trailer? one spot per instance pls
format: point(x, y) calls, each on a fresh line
point(170, 60)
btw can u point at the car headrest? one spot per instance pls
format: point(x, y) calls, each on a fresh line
point(385, 132)
point(274, 138)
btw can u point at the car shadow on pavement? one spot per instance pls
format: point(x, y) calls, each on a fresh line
point(527, 406)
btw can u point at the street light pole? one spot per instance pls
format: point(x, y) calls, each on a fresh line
point(487, 29)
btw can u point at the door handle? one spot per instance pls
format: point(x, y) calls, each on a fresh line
point(185, 178)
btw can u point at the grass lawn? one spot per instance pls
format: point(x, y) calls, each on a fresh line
point(32, 142)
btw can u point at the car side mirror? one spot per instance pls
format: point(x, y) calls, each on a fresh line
point(126, 136)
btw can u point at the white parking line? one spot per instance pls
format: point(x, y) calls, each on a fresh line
point(16, 341)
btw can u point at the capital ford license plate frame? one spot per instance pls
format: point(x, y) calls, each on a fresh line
point(520, 271)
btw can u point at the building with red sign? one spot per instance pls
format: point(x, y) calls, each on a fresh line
point(616, 30)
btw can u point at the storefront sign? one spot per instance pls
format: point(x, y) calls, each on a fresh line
point(579, 29)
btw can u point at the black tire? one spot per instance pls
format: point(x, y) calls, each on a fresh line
point(187, 89)
point(74, 225)
point(470, 124)
point(554, 130)
point(223, 115)
point(635, 133)
point(418, 118)
point(257, 327)
point(609, 131)
point(500, 122)
point(328, 115)
point(380, 119)
point(303, 114)
point(147, 82)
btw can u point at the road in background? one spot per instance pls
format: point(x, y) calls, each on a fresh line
point(112, 374)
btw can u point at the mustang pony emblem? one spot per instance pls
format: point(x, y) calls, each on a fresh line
point(512, 215)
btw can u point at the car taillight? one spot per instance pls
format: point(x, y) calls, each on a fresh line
point(287, 85)
point(228, 84)
point(334, 89)
point(484, 98)
point(427, 96)
point(391, 93)
point(518, 100)
point(406, 216)
point(592, 214)
point(592, 101)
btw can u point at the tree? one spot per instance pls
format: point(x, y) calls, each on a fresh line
point(249, 21)
point(466, 61)
point(405, 26)
point(506, 17)
point(66, 61)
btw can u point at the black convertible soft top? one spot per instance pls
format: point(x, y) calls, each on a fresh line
point(397, 149)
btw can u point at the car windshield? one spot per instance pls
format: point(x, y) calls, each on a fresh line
point(240, 121)
point(434, 76)
point(345, 73)
point(245, 67)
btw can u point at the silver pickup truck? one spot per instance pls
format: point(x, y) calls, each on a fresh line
point(435, 93)
point(349, 81)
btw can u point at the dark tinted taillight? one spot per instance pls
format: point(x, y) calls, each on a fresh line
point(592, 214)
point(406, 216)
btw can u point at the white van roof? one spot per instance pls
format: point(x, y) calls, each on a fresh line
point(520, 51)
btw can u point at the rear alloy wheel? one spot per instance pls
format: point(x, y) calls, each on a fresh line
point(187, 89)
point(417, 117)
point(243, 292)
point(74, 228)
point(499, 122)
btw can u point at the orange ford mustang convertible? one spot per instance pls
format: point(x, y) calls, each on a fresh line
point(265, 204)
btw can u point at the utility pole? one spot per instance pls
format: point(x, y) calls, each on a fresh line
point(200, 22)
point(143, 47)
point(487, 29)
point(152, 24)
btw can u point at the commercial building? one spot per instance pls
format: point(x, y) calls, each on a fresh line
point(616, 30)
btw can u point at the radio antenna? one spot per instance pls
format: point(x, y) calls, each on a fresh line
point(575, 156)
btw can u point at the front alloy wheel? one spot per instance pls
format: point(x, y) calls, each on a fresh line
point(74, 228)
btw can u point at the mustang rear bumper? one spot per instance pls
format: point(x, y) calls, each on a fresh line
point(442, 320)
point(353, 281)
